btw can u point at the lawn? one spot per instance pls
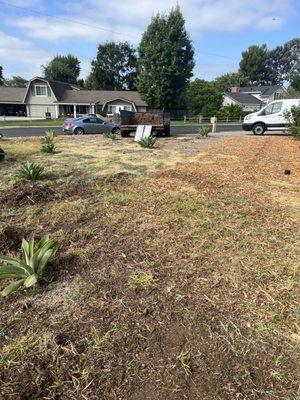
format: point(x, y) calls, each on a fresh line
point(34, 122)
point(177, 275)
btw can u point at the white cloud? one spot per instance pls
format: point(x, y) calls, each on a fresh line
point(131, 19)
point(126, 21)
point(21, 57)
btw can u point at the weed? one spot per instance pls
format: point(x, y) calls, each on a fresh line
point(30, 171)
point(28, 270)
point(184, 359)
point(98, 338)
point(148, 142)
point(142, 280)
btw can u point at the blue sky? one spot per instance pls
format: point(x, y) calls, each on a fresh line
point(33, 31)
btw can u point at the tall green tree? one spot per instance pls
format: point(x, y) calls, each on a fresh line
point(63, 68)
point(227, 81)
point(296, 84)
point(166, 61)
point(203, 98)
point(16, 81)
point(255, 66)
point(1, 76)
point(284, 61)
point(114, 67)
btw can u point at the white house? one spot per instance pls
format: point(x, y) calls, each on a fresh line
point(252, 98)
point(56, 98)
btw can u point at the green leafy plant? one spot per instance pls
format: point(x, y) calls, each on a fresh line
point(110, 135)
point(29, 269)
point(204, 131)
point(293, 116)
point(48, 145)
point(148, 142)
point(30, 171)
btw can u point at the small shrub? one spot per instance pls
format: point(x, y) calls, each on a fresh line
point(30, 171)
point(295, 131)
point(110, 135)
point(48, 145)
point(204, 131)
point(29, 269)
point(293, 117)
point(148, 142)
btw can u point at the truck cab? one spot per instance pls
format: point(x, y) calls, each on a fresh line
point(271, 117)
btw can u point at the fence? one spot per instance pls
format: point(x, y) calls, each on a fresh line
point(199, 120)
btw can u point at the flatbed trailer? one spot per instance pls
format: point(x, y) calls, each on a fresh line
point(128, 122)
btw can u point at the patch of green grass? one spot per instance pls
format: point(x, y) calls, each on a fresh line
point(16, 348)
point(133, 167)
point(120, 199)
point(160, 166)
point(142, 280)
point(98, 338)
point(35, 122)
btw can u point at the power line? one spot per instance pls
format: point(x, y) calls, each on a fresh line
point(30, 11)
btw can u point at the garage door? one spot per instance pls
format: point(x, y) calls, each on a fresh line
point(37, 110)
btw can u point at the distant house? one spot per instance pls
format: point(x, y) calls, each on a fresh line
point(63, 99)
point(253, 98)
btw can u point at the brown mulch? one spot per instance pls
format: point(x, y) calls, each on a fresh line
point(218, 320)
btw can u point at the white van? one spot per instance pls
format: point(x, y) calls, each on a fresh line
point(271, 117)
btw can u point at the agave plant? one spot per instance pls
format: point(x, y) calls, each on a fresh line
point(30, 171)
point(148, 142)
point(204, 131)
point(110, 135)
point(48, 145)
point(30, 268)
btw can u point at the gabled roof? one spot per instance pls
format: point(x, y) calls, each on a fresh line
point(101, 96)
point(265, 90)
point(12, 94)
point(58, 88)
point(244, 98)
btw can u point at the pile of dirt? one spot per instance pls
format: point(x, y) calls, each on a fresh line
point(147, 119)
point(23, 193)
point(10, 239)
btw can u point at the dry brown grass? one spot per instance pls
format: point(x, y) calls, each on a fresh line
point(172, 282)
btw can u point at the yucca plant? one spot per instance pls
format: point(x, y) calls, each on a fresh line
point(110, 135)
point(48, 145)
point(30, 268)
point(204, 131)
point(147, 142)
point(30, 171)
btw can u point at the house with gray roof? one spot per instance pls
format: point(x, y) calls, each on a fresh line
point(252, 98)
point(45, 96)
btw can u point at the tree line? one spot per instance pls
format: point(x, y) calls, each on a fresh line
point(161, 68)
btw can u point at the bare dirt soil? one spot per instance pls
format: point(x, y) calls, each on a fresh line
point(177, 275)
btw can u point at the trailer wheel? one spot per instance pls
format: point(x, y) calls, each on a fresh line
point(167, 131)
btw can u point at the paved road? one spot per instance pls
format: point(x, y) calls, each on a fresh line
point(175, 130)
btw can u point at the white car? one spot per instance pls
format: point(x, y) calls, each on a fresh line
point(271, 117)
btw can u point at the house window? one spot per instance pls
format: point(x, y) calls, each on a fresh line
point(41, 90)
point(113, 109)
